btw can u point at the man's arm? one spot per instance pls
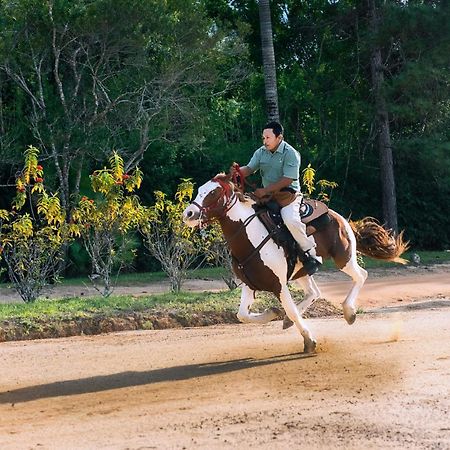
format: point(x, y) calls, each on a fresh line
point(246, 171)
point(274, 187)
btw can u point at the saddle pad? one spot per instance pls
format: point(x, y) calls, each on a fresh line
point(312, 209)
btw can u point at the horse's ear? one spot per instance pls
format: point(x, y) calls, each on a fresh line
point(223, 177)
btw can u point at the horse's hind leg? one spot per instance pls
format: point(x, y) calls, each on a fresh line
point(293, 314)
point(244, 314)
point(359, 275)
point(311, 294)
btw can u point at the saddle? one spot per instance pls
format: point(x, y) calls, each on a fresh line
point(313, 213)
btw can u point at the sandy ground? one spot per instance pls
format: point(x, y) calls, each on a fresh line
point(383, 382)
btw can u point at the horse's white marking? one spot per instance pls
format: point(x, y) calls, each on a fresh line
point(293, 314)
point(271, 254)
point(191, 215)
point(356, 272)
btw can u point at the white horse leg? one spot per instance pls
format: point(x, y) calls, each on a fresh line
point(293, 314)
point(244, 314)
point(359, 275)
point(311, 293)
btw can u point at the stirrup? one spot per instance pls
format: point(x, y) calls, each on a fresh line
point(310, 264)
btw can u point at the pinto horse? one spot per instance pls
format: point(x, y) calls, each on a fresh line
point(261, 264)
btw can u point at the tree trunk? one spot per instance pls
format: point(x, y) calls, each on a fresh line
point(268, 56)
point(388, 199)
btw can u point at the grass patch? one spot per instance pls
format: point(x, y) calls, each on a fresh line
point(427, 258)
point(183, 302)
point(95, 315)
point(206, 273)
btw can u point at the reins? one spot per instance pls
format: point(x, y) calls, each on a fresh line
point(239, 179)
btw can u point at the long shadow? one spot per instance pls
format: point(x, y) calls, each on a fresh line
point(128, 379)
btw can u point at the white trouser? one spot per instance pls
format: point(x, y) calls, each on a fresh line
point(291, 217)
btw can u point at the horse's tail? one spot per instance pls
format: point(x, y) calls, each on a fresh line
point(375, 241)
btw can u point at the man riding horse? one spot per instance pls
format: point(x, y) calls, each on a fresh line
point(279, 166)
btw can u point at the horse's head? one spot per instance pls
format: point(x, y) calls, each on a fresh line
point(213, 200)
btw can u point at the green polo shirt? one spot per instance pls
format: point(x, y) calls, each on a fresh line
point(283, 162)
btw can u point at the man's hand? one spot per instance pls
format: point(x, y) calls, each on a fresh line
point(244, 170)
point(261, 192)
point(234, 168)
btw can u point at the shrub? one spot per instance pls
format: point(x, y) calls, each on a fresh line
point(33, 232)
point(174, 245)
point(106, 223)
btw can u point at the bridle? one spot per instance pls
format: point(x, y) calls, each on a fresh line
point(215, 209)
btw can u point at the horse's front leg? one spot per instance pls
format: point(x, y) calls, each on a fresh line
point(244, 314)
point(293, 314)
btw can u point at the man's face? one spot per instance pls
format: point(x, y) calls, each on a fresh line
point(270, 141)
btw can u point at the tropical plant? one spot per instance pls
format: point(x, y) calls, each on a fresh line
point(105, 224)
point(174, 245)
point(81, 77)
point(33, 232)
point(310, 183)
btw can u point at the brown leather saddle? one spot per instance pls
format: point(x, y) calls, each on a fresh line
point(313, 213)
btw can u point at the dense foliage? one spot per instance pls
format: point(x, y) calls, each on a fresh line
point(176, 87)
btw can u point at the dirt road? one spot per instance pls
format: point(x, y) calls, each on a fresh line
point(382, 383)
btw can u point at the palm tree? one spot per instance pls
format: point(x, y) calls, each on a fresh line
point(268, 56)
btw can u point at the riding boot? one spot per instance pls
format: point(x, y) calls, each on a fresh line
point(311, 262)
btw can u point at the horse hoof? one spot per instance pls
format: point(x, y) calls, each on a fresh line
point(310, 346)
point(350, 318)
point(278, 313)
point(287, 323)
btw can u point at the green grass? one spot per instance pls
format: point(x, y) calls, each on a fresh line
point(214, 273)
point(183, 302)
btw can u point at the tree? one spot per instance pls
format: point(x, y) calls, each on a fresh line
point(327, 101)
point(388, 196)
point(105, 74)
point(218, 253)
point(268, 55)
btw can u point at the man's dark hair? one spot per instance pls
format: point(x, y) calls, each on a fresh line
point(276, 127)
